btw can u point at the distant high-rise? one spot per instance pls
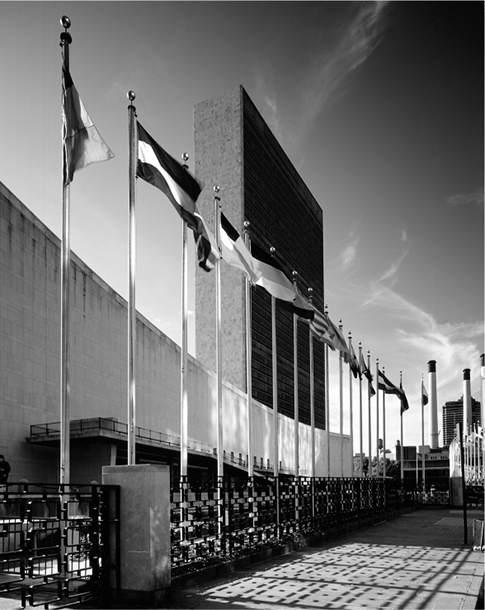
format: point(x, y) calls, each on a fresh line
point(453, 414)
point(235, 149)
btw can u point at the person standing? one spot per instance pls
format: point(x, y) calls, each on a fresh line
point(4, 469)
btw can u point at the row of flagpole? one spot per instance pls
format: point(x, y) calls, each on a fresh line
point(83, 145)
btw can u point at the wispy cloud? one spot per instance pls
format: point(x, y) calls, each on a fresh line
point(348, 256)
point(359, 38)
point(475, 198)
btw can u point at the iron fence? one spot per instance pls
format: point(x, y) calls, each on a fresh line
point(58, 542)
point(225, 518)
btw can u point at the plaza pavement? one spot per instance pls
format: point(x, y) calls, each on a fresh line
point(417, 561)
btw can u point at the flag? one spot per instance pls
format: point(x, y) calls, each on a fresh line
point(353, 362)
point(424, 394)
point(300, 306)
point(338, 340)
point(384, 384)
point(272, 277)
point(404, 400)
point(321, 327)
point(365, 371)
point(82, 143)
point(159, 169)
point(235, 252)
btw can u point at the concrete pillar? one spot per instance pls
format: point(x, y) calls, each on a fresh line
point(467, 401)
point(144, 530)
point(433, 405)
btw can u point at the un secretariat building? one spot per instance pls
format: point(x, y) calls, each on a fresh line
point(235, 149)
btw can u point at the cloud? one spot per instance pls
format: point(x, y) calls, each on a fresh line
point(359, 38)
point(475, 198)
point(349, 254)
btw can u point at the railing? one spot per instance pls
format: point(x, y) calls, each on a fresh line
point(219, 520)
point(58, 542)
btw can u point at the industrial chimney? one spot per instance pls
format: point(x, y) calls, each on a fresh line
point(467, 401)
point(433, 405)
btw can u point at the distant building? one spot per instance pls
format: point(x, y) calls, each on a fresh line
point(436, 465)
point(453, 414)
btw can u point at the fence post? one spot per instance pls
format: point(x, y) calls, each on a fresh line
point(145, 554)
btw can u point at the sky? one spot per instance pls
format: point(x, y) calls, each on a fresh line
point(378, 105)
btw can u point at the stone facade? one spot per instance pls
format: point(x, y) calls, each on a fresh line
point(30, 367)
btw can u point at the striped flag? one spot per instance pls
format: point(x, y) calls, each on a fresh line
point(235, 252)
point(388, 387)
point(272, 277)
point(159, 169)
point(365, 371)
point(82, 143)
point(300, 306)
point(424, 394)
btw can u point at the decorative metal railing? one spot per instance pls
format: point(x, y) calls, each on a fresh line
point(58, 542)
point(229, 517)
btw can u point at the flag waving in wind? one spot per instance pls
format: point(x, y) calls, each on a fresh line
point(387, 387)
point(159, 169)
point(82, 143)
point(235, 252)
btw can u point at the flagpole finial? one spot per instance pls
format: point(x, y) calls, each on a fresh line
point(246, 225)
point(66, 38)
point(272, 250)
point(216, 188)
point(185, 158)
point(310, 293)
point(294, 275)
point(131, 95)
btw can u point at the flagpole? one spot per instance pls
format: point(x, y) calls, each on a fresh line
point(369, 405)
point(275, 387)
point(402, 434)
point(184, 407)
point(327, 402)
point(341, 390)
point(295, 388)
point(312, 390)
point(351, 410)
point(422, 436)
point(220, 423)
point(64, 457)
point(249, 372)
point(131, 457)
point(361, 440)
point(377, 416)
point(383, 430)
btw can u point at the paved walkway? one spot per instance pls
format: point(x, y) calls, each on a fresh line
point(417, 561)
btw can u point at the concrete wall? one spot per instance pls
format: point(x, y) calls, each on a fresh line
point(30, 365)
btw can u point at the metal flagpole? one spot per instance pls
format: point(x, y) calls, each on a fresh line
point(327, 402)
point(249, 372)
point(369, 397)
point(64, 457)
point(361, 441)
point(351, 411)
point(312, 390)
point(184, 408)
point(295, 388)
point(383, 430)
point(131, 458)
point(402, 435)
point(377, 417)
point(423, 455)
point(275, 387)
point(341, 390)
point(220, 422)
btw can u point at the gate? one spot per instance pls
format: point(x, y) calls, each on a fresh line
point(58, 542)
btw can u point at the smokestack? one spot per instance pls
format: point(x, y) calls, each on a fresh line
point(482, 374)
point(433, 405)
point(467, 401)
